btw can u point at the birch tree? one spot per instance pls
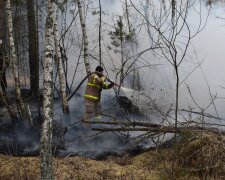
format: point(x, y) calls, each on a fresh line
point(46, 133)
point(84, 35)
point(23, 108)
point(60, 68)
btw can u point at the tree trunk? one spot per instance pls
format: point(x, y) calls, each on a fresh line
point(3, 96)
point(1, 21)
point(99, 33)
point(33, 50)
point(146, 8)
point(60, 69)
point(164, 5)
point(127, 16)
point(46, 133)
point(85, 41)
point(122, 52)
point(3, 67)
point(173, 8)
point(9, 108)
point(2, 50)
point(24, 110)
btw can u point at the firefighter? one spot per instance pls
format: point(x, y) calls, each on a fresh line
point(96, 82)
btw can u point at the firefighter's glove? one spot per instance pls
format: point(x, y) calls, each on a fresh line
point(111, 85)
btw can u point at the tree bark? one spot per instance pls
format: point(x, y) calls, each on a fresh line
point(84, 35)
point(1, 20)
point(2, 48)
point(24, 110)
point(162, 129)
point(6, 102)
point(3, 96)
point(46, 133)
point(173, 8)
point(99, 33)
point(122, 52)
point(122, 123)
point(60, 69)
point(33, 50)
point(127, 16)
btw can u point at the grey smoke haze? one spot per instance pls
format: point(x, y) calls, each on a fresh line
point(209, 46)
point(159, 79)
point(81, 140)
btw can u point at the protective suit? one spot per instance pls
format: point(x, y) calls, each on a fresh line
point(96, 82)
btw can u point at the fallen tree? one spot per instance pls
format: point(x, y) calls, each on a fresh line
point(153, 127)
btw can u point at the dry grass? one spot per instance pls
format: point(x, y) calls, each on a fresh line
point(203, 154)
point(72, 168)
point(199, 156)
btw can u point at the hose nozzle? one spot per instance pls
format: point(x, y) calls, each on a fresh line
point(112, 82)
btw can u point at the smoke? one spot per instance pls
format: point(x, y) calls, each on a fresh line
point(79, 139)
point(19, 139)
point(82, 140)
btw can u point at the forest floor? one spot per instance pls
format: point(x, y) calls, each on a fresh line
point(197, 156)
point(147, 165)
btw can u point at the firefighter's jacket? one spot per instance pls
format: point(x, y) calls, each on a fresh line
point(96, 82)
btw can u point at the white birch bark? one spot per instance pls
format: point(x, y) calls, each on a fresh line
point(24, 110)
point(46, 133)
point(60, 68)
point(84, 35)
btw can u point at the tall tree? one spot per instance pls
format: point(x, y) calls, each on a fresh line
point(173, 8)
point(2, 46)
point(3, 96)
point(46, 133)
point(33, 49)
point(100, 33)
point(1, 20)
point(60, 69)
point(84, 35)
point(24, 110)
point(146, 13)
point(127, 17)
point(3, 65)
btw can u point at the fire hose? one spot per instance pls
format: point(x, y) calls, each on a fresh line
point(79, 85)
